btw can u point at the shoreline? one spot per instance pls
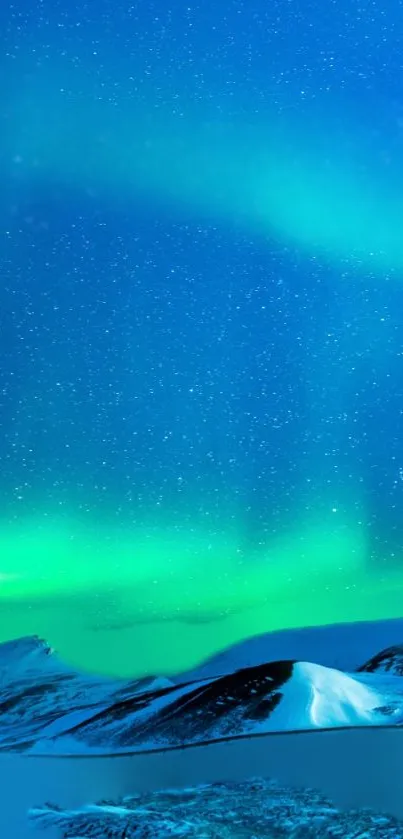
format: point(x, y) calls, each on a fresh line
point(354, 767)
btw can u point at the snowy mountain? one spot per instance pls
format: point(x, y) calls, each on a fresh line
point(272, 697)
point(219, 811)
point(48, 709)
point(387, 661)
point(38, 692)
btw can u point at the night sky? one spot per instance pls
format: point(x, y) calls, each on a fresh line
point(201, 312)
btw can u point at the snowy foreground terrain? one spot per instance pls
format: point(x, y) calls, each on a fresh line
point(280, 706)
point(257, 808)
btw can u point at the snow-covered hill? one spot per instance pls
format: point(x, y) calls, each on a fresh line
point(48, 709)
point(39, 693)
point(387, 661)
point(277, 696)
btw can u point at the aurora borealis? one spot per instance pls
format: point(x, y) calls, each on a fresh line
point(182, 596)
point(270, 172)
point(202, 328)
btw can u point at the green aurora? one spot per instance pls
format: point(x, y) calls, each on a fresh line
point(174, 595)
point(309, 173)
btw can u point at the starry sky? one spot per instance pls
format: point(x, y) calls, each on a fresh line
point(201, 311)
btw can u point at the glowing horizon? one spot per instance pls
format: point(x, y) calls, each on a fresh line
point(139, 602)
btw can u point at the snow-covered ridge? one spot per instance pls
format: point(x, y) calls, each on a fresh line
point(49, 709)
point(39, 693)
point(387, 661)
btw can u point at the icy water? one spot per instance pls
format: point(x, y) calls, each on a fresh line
point(201, 311)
